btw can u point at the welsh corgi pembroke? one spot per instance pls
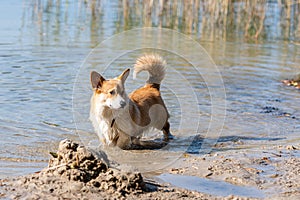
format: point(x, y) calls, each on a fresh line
point(120, 119)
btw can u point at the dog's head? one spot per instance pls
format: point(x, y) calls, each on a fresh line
point(110, 93)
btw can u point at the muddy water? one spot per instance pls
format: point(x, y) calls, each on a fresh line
point(43, 45)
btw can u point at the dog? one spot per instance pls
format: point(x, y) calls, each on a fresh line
point(120, 119)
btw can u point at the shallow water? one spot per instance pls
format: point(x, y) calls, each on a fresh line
point(43, 45)
point(203, 185)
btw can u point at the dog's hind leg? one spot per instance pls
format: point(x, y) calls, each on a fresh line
point(166, 131)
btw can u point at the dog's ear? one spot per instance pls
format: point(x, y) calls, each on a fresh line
point(124, 75)
point(96, 80)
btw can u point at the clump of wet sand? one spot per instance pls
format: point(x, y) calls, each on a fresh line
point(72, 172)
point(294, 82)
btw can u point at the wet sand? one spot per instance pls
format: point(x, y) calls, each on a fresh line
point(74, 172)
point(264, 173)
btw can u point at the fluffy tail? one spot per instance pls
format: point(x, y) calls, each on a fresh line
point(154, 64)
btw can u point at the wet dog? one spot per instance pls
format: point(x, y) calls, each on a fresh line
point(120, 119)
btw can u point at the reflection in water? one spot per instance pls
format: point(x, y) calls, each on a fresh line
point(208, 186)
point(227, 19)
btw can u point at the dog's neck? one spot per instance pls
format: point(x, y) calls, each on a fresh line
point(109, 115)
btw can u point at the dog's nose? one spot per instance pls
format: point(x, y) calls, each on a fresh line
point(123, 104)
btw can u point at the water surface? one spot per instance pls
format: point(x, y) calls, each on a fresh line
point(212, 187)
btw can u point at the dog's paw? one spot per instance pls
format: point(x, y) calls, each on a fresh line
point(168, 137)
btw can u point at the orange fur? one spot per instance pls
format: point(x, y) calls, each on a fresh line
point(120, 119)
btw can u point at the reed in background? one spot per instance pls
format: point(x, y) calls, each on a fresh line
point(254, 19)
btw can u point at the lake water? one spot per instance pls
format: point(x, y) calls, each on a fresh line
point(43, 50)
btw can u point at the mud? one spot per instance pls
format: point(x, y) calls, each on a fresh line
point(294, 82)
point(76, 173)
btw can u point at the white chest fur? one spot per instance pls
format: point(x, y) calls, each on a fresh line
point(100, 123)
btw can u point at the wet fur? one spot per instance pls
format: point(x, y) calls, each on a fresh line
point(143, 109)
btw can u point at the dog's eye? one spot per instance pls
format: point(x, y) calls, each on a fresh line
point(112, 92)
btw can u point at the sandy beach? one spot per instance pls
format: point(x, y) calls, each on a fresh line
point(75, 173)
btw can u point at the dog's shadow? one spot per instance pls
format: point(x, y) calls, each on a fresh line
point(199, 144)
point(192, 145)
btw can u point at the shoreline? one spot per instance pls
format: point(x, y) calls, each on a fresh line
point(74, 172)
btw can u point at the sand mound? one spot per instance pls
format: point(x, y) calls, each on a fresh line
point(73, 172)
